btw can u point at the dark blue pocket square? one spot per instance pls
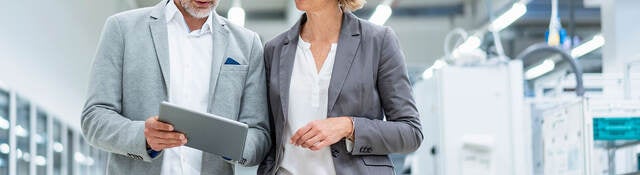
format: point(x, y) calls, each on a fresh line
point(231, 61)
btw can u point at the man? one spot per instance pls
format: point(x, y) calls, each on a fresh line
point(179, 51)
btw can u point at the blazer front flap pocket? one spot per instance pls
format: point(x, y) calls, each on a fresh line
point(234, 68)
point(377, 161)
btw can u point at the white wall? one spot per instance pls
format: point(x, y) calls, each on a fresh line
point(46, 49)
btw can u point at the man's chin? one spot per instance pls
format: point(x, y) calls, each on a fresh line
point(200, 13)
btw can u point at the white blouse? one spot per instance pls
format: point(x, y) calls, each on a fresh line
point(308, 96)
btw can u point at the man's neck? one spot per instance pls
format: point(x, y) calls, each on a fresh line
point(193, 22)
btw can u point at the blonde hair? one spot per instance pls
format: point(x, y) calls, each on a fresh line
point(351, 5)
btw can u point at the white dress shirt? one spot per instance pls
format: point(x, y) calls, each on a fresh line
point(308, 96)
point(190, 55)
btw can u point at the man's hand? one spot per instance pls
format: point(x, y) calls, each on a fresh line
point(322, 133)
point(160, 135)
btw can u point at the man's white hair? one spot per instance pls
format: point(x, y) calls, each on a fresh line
point(195, 12)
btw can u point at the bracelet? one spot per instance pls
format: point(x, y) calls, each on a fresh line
point(351, 136)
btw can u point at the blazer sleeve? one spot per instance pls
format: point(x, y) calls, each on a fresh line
point(401, 132)
point(269, 161)
point(102, 125)
point(253, 109)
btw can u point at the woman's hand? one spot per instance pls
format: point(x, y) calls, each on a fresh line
point(322, 133)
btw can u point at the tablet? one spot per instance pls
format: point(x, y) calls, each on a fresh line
point(207, 132)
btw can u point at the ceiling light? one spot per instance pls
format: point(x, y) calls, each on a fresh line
point(21, 132)
point(4, 148)
point(589, 46)
point(547, 66)
point(4, 124)
point(506, 19)
point(236, 15)
point(58, 147)
point(381, 15)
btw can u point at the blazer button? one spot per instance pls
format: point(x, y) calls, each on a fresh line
point(366, 149)
point(335, 153)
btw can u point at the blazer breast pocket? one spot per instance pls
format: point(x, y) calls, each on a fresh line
point(229, 89)
point(234, 68)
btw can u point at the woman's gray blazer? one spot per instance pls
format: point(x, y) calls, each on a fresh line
point(369, 82)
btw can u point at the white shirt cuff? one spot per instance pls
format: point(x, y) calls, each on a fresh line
point(349, 145)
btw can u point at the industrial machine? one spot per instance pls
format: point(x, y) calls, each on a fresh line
point(471, 127)
point(476, 120)
point(490, 128)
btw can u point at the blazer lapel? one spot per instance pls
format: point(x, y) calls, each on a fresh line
point(158, 27)
point(220, 38)
point(348, 44)
point(287, 58)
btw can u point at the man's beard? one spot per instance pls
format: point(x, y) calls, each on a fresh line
point(195, 12)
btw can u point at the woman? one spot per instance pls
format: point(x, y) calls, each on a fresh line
point(332, 79)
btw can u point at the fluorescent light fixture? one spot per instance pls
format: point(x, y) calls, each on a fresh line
point(381, 15)
point(427, 74)
point(39, 139)
point(78, 157)
point(18, 153)
point(26, 157)
point(21, 132)
point(4, 148)
point(236, 15)
point(4, 124)
point(40, 161)
point(547, 66)
point(506, 19)
point(89, 161)
point(471, 43)
point(589, 46)
point(57, 147)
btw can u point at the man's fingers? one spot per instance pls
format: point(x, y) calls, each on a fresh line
point(171, 145)
point(160, 144)
point(300, 133)
point(165, 134)
point(161, 126)
point(153, 122)
point(160, 147)
point(168, 141)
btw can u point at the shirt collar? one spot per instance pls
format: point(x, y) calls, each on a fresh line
point(303, 43)
point(172, 12)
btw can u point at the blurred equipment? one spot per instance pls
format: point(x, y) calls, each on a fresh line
point(561, 136)
point(471, 128)
point(489, 128)
point(556, 34)
point(617, 136)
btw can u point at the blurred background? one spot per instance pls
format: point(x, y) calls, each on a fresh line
point(503, 86)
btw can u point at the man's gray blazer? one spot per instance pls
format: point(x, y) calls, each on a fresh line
point(130, 77)
point(369, 82)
